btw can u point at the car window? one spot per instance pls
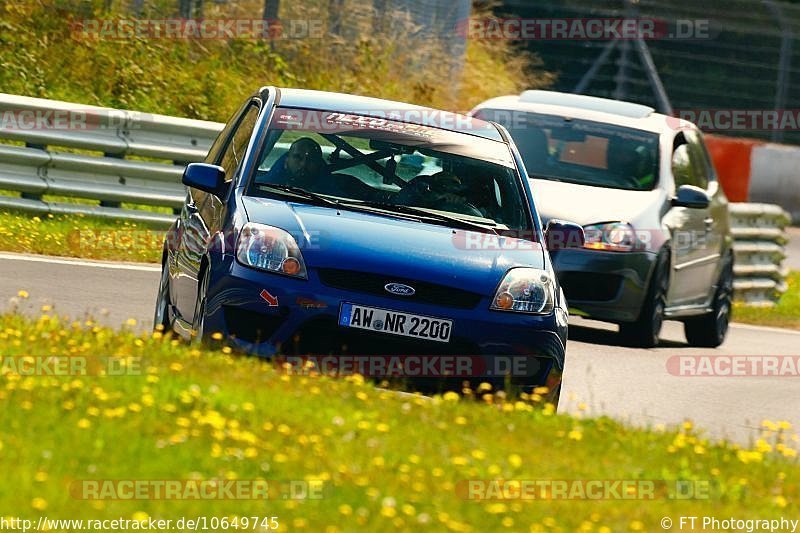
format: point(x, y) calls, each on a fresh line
point(392, 165)
point(700, 159)
point(234, 152)
point(682, 168)
point(581, 151)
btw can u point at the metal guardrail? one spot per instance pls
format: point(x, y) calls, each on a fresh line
point(95, 153)
point(758, 246)
point(85, 152)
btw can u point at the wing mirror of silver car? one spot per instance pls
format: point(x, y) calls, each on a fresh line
point(691, 197)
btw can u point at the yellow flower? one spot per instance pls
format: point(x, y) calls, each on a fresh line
point(450, 396)
point(345, 510)
point(140, 516)
point(515, 460)
point(217, 336)
point(40, 504)
point(496, 508)
point(84, 423)
point(575, 434)
point(176, 367)
point(388, 512)
point(383, 428)
point(478, 454)
point(769, 425)
point(131, 322)
point(459, 460)
point(781, 502)
point(484, 387)
point(40, 476)
point(23, 294)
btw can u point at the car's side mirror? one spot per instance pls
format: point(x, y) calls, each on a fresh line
point(208, 178)
point(691, 197)
point(560, 234)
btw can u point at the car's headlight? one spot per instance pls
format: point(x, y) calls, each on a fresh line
point(526, 290)
point(271, 249)
point(613, 236)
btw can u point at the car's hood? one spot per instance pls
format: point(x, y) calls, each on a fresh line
point(584, 204)
point(365, 242)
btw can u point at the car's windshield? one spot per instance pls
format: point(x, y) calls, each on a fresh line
point(390, 167)
point(581, 151)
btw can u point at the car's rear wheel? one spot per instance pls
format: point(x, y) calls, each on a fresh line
point(709, 330)
point(161, 316)
point(644, 332)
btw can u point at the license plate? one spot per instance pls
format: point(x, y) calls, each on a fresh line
point(395, 322)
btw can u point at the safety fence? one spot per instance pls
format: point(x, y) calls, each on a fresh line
point(73, 152)
point(759, 240)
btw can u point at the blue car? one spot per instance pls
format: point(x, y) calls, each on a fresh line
point(369, 232)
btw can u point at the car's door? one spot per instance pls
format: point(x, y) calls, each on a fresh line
point(214, 210)
point(688, 227)
point(193, 232)
point(714, 219)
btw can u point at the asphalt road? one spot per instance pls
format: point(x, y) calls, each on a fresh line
point(630, 384)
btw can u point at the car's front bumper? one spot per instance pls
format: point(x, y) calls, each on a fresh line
point(604, 285)
point(305, 321)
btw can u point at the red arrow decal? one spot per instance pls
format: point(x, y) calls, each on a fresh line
point(271, 300)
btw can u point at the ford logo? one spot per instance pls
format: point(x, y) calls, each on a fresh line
point(399, 289)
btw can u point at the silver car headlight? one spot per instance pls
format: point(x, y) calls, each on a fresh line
point(271, 249)
point(526, 290)
point(612, 236)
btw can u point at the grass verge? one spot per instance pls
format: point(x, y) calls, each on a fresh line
point(382, 460)
point(80, 236)
point(786, 314)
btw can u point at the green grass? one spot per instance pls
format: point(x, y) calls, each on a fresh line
point(208, 79)
point(384, 460)
point(786, 314)
point(80, 236)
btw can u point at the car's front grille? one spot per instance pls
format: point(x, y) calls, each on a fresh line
point(322, 336)
point(249, 326)
point(426, 292)
point(590, 286)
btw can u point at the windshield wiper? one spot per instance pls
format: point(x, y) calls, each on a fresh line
point(426, 213)
point(304, 193)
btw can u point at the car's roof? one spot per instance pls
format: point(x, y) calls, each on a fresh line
point(364, 105)
point(585, 107)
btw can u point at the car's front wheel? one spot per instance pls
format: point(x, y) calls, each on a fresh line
point(644, 332)
point(161, 318)
point(199, 321)
point(709, 330)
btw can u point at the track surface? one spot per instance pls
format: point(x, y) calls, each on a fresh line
point(626, 383)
